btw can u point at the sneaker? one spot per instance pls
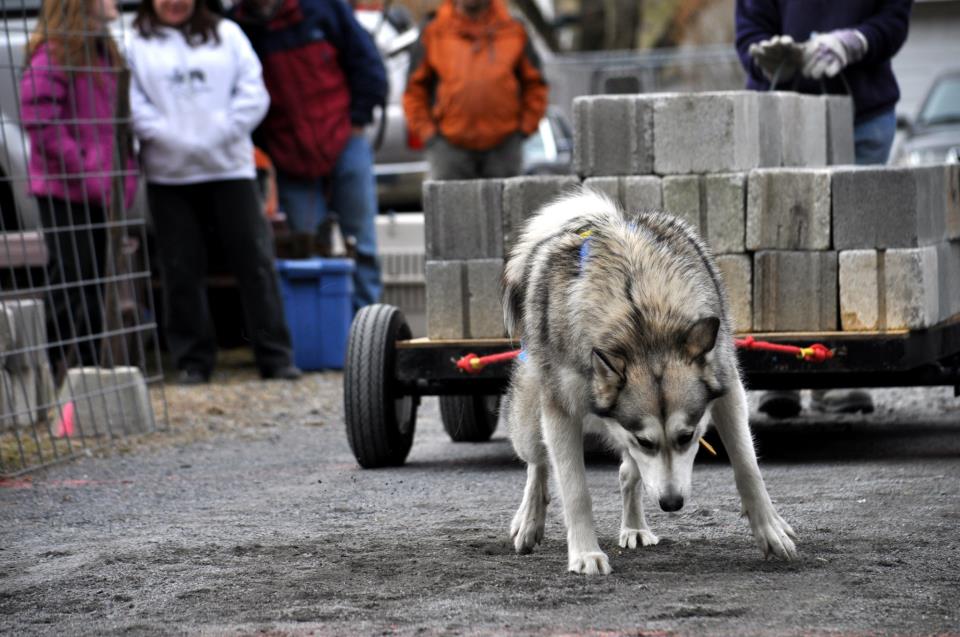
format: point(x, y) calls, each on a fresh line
point(285, 372)
point(192, 377)
point(780, 403)
point(842, 401)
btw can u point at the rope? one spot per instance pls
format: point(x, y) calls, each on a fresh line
point(816, 353)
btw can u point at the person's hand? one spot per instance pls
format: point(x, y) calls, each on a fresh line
point(778, 56)
point(826, 54)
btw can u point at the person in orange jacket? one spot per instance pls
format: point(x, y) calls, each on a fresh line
point(475, 90)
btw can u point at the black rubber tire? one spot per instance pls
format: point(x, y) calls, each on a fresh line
point(469, 418)
point(380, 421)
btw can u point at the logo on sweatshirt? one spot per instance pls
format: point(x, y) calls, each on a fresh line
point(188, 81)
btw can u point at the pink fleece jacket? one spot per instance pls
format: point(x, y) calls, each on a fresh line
point(71, 127)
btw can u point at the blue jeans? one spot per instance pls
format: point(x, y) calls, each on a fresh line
point(873, 138)
point(353, 198)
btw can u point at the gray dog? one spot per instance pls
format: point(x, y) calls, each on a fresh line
point(623, 320)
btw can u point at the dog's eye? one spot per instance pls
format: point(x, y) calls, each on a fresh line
point(646, 444)
point(684, 439)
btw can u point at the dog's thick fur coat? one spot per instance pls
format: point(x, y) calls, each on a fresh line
point(623, 319)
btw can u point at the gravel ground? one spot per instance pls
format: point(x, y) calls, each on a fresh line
point(249, 515)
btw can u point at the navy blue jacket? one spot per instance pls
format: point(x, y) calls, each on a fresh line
point(883, 23)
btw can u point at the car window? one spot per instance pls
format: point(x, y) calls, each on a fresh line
point(943, 104)
point(534, 150)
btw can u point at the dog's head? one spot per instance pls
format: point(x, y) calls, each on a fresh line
point(656, 397)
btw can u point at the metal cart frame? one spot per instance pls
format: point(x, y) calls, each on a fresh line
point(387, 372)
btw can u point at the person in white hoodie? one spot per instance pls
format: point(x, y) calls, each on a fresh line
point(196, 94)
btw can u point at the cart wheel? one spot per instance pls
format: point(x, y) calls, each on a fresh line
point(469, 418)
point(380, 421)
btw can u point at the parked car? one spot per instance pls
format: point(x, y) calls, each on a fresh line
point(934, 136)
point(400, 159)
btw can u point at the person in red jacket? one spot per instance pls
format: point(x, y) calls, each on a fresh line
point(325, 76)
point(475, 90)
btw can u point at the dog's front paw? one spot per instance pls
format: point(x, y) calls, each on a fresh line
point(592, 563)
point(774, 536)
point(526, 532)
point(631, 538)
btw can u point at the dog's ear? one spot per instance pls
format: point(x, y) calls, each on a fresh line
point(701, 337)
point(609, 375)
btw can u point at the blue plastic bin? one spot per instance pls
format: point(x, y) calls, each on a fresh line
point(317, 300)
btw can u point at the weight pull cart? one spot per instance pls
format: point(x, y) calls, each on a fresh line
point(387, 372)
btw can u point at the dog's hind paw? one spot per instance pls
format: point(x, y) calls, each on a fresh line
point(631, 538)
point(593, 563)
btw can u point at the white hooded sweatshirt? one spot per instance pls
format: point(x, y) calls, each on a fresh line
point(194, 107)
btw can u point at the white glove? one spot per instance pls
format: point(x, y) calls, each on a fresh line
point(779, 53)
point(825, 54)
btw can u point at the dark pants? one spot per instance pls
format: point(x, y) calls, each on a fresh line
point(452, 162)
point(76, 244)
point(231, 209)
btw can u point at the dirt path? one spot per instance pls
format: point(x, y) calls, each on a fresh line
point(252, 516)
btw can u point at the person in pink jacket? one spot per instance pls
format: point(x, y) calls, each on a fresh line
point(73, 100)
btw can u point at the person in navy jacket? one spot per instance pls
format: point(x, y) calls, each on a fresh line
point(840, 47)
point(324, 75)
point(837, 47)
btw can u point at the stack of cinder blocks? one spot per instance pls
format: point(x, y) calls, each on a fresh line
point(470, 227)
point(805, 240)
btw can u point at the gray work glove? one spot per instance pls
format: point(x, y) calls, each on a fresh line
point(826, 54)
point(778, 54)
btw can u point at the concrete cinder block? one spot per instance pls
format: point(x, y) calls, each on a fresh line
point(523, 196)
point(912, 288)
point(706, 132)
point(889, 289)
point(107, 402)
point(839, 129)
point(681, 198)
point(463, 219)
point(485, 311)
point(788, 209)
point(18, 403)
point(463, 299)
point(803, 129)
point(8, 332)
point(952, 194)
point(613, 135)
point(28, 395)
point(30, 333)
point(948, 272)
point(737, 273)
point(887, 207)
point(641, 193)
point(713, 204)
point(794, 290)
point(446, 294)
point(723, 211)
point(860, 289)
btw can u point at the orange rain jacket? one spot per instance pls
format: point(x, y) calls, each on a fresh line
point(477, 81)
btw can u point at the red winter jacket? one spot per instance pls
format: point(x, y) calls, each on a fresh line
point(324, 74)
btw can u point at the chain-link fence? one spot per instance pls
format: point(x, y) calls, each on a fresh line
point(78, 338)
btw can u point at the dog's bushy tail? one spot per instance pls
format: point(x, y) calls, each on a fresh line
point(568, 213)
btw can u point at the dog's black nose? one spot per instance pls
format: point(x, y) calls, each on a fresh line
point(671, 502)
